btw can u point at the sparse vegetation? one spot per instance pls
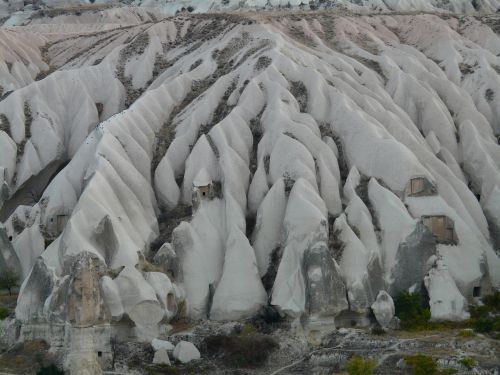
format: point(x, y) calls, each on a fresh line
point(242, 351)
point(489, 95)
point(486, 318)
point(4, 123)
point(360, 366)
point(9, 280)
point(426, 365)
point(50, 370)
point(29, 357)
point(299, 91)
point(467, 362)
point(448, 371)
point(4, 312)
point(411, 312)
point(162, 370)
point(422, 364)
point(466, 333)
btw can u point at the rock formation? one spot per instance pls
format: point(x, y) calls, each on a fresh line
point(156, 166)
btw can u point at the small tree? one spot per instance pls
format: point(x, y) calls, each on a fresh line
point(410, 311)
point(422, 364)
point(358, 366)
point(9, 279)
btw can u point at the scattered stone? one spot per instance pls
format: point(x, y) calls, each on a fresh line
point(158, 344)
point(161, 357)
point(186, 352)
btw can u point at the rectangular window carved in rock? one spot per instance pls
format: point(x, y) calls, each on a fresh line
point(442, 228)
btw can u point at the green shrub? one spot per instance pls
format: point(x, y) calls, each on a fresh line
point(4, 312)
point(9, 279)
point(467, 362)
point(411, 312)
point(422, 364)
point(493, 301)
point(358, 366)
point(483, 324)
point(50, 370)
point(486, 318)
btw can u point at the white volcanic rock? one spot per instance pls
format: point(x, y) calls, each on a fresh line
point(161, 357)
point(353, 266)
point(158, 344)
point(325, 289)
point(305, 222)
point(166, 292)
point(240, 293)
point(8, 257)
point(186, 352)
point(394, 220)
point(112, 298)
point(445, 300)
point(267, 233)
point(202, 157)
point(173, 6)
point(383, 308)
point(166, 187)
point(28, 246)
point(114, 112)
point(193, 277)
point(138, 298)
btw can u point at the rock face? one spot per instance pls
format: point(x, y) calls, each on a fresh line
point(138, 298)
point(211, 166)
point(186, 352)
point(8, 257)
point(325, 289)
point(383, 309)
point(411, 258)
point(240, 293)
point(445, 300)
point(84, 302)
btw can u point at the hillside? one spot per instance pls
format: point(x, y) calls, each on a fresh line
point(217, 165)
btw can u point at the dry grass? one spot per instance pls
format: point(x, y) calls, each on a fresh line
point(181, 326)
point(26, 357)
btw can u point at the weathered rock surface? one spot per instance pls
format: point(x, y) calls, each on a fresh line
point(274, 157)
point(383, 309)
point(445, 300)
point(325, 289)
point(186, 352)
point(162, 344)
point(161, 357)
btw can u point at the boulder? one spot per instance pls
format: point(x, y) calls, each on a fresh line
point(325, 290)
point(186, 352)
point(158, 344)
point(165, 290)
point(161, 357)
point(383, 309)
point(138, 298)
point(445, 300)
